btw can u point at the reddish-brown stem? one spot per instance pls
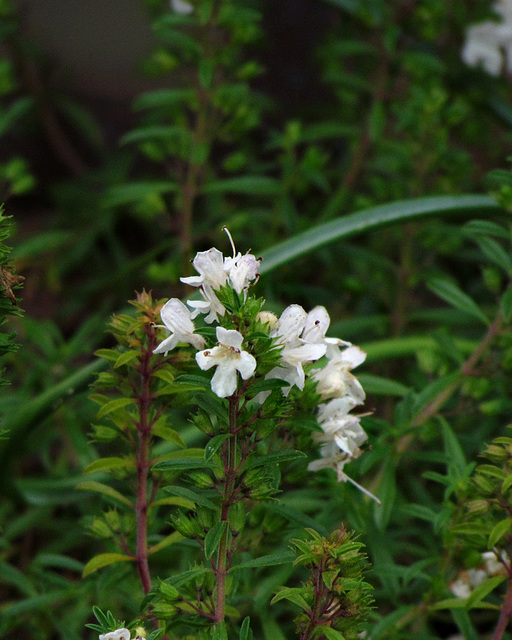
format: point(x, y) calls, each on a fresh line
point(142, 460)
point(505, 614)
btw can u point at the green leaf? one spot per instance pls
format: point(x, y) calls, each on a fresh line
point(449, 603)
point(105, 464)
point(483, 590)
point(246, 185)
point(293, 594)
point(332, 634)
point(166, 433)
point(387, 495)
point(498, 531)
point(506, 305)
point(451, 294)
point(103, 560)
point(188, 494)
point(245, 630)
point(270, 560)
point(378, 385)
point(494, 252)
point(124, 194)
point(114, 405)
point(172, 538)
point(91, 485)
point(214, 445)
point(125, 358)
point(485, 228)
point(163, 98)
point(181, 464)
point(220, 632)
point(454, 452)
point(369, 219)
point(213, 538)
point(274, 458)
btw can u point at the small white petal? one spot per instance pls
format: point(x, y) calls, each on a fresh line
point(181, 6)
point(224, 381)
point(316, 325)
point(246, 365)
point(291, 323)
point(230, 337)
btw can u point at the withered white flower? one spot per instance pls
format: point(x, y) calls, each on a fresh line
point(176, 318)
point(118, 634)
point(229, 358)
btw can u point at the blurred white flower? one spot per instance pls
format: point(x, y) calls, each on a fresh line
point(180, 6)
point(494, 566)
point(490, 43)
point(340, 427)
point(467, 581)
point(229, 358)
point(212, 276)
point(118, 634)
point(176, 318)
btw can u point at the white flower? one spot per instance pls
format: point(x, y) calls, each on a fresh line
point(296, 351)
point(243, 272)
point(118, 634)
point(180, 6)
point(340, 427)
point(460, 588)
point(335, 379)
point(212, 276)
point(176, 317)
point(488, 42)
point(229, 358)
point(493, 566)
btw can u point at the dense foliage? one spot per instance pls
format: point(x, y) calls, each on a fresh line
point(369, 170)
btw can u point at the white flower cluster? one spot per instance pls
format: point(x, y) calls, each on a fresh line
point(469, 579)
point(302, 340)
point(118, 634)
point(490, 43)
point(215, 272)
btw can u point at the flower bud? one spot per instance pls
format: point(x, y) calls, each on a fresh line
point(186, 526)
point(237, 515)
point(200, 479)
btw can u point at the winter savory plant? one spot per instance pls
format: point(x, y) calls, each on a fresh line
point(261, 391)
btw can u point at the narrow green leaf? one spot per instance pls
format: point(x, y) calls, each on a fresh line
point(91, 485)
point(168, 434)
point(387, 495)
point(378, 385)
point(453, 450)
point(245, 630)
point(274, 458)
point(451, 294)
point(495, 253)
point(332, 634)
point(449, 603)
point(181, 464)
point(293, 594)
point(114, 405)
point(172, 538)
point(124, 194)
point(162, 98)
point(213, 538)
point(194, 497)
point(246, 185)
point(483, 590)
point(214, 445)
point(369, 219)
point(105, 464)
point(506, 305)
point(220, 632)
point(498, 531)
point(103, 560)
point(506, 484)
point(125, 358)
point(270, 560)
point(485, 228)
